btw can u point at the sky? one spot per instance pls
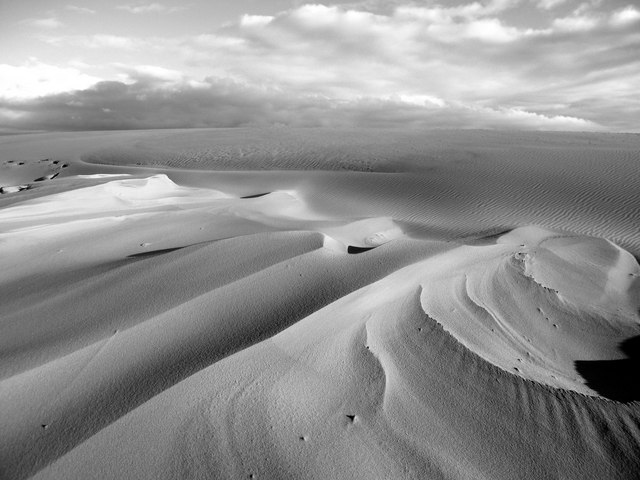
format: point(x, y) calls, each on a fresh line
point(570, 65)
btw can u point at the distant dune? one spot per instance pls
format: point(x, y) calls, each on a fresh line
point(310, 303)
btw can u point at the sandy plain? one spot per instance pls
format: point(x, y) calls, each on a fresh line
point(316, 303)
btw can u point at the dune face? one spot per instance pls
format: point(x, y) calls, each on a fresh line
point(536, 302)
point(319, 304)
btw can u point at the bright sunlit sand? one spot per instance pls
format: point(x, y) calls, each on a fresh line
point(319, 303)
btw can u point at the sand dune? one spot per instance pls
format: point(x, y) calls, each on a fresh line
point(227, 304)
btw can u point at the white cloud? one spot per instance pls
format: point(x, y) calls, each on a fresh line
point(550, 4)
point(576, 23)
point(587, 6)
point(469, 11)
point(625, 16)
point(79, 64)
point(153, 74)
point(37, 79)
point(420, 100)
point(519, 118)
point(255, 20)
point(149, 8)
point(44, 22)
point(99, 41)
point(113, 41)
point(77, 9)
point(492, 31)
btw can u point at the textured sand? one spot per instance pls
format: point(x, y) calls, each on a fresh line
point(319, 304)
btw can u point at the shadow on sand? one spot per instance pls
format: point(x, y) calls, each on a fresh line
point(153, 253)
point(615, 379)
point(353, 249)
point(257, 195)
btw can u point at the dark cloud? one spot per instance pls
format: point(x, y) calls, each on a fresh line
point(143, 104)
point(223, 103)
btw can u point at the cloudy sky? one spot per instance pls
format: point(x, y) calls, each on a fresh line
point(525, 64)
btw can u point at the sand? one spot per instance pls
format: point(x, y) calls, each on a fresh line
point(310, 303)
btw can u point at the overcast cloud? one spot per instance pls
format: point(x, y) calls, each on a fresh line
point(468, 65)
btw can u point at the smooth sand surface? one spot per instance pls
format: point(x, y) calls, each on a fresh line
point(293, 303)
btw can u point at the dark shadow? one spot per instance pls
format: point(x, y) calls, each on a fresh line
point(488, 237)
point(153, 253)
point(615, 379)
point(256, 195)
point(352, 249)
point(47, 177)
